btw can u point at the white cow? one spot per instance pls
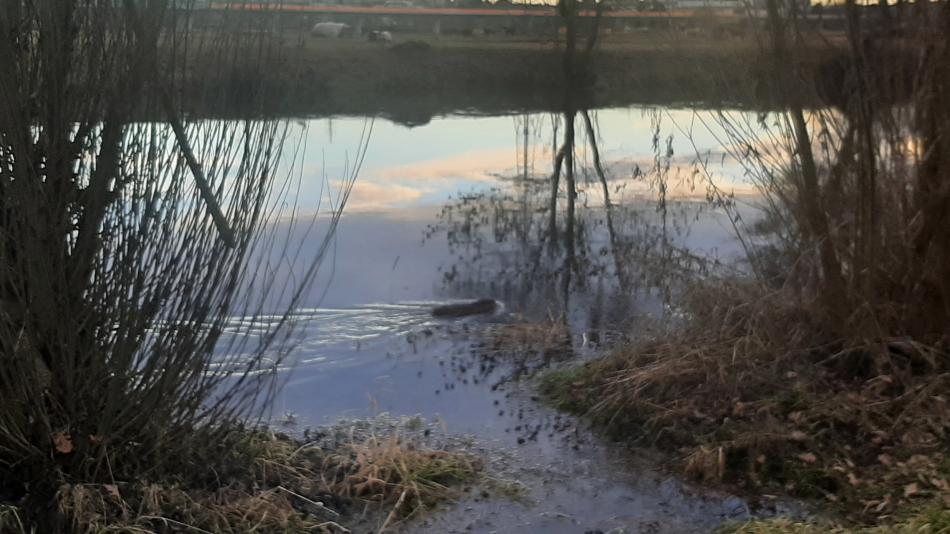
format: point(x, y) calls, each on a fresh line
point(332, 30)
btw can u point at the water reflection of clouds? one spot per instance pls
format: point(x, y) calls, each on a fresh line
point(474, 166)
point(371, 196)
point(686, 176)
point(426, 182)
point(411, 168)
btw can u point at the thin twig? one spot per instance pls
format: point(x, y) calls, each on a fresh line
point(220, 221)
point(315, 503)
point(392, 513)
point(172, 521)
point(332, 524)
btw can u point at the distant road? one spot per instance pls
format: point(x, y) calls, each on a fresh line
point(544, 11)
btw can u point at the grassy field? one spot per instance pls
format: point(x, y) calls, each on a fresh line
point(417, 77)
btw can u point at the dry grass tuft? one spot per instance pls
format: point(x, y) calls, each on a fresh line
point(397, 472)
point(267, 483)
point(10, 522)
point(156, 508)
point(753, 391)
point(933, 520)
point(263, 487)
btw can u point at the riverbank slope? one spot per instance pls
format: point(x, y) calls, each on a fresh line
point(417, 77)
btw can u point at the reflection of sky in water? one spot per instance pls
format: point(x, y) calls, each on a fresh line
point(378, 254)
point(423, 166)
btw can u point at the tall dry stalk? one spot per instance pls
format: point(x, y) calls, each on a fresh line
point(806, 180)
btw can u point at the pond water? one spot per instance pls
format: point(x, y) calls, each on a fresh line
point(368, 344)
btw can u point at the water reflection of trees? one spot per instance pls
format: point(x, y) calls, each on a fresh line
point(540, 237)
point(569, 222)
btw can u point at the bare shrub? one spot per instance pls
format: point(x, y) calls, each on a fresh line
point(129, 235)
point(859, 186)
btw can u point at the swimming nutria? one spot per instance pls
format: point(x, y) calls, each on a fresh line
point(465, 308)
